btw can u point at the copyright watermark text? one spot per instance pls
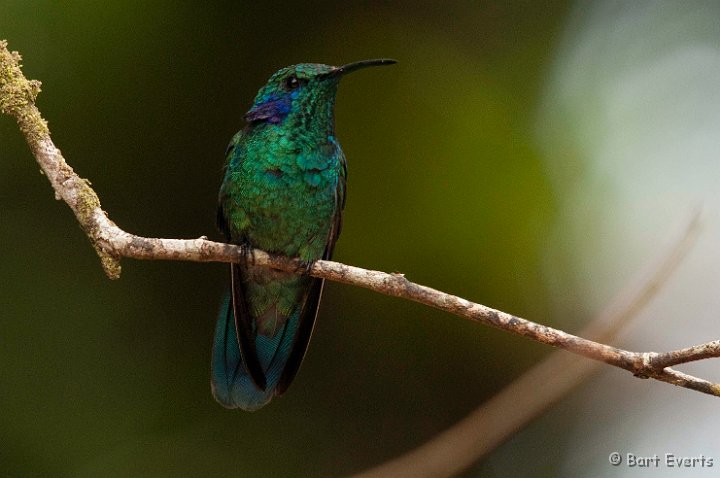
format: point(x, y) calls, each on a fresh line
point(667, 460)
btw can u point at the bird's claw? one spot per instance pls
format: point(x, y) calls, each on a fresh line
point(247, 254)
point(305, 267)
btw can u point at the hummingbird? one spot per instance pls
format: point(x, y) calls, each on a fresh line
point(283, 192)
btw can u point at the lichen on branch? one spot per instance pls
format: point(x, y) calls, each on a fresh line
point(17, 98)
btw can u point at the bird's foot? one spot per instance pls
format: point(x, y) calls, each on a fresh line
point(305, 267)
point(247, 254)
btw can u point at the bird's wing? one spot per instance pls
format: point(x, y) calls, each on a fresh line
point(311, 300)
point(243, 319)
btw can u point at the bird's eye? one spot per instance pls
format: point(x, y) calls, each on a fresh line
point(292, 82)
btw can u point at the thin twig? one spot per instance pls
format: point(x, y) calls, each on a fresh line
point(536, 390)
point(690, 354)
point(17, 98)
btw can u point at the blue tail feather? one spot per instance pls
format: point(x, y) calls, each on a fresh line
point(231, 383)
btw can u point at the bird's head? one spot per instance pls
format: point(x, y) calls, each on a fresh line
point(306, 91)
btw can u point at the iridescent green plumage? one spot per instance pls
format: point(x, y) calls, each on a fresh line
point(283, 192)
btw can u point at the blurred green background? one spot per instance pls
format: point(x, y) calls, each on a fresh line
point(446, 184)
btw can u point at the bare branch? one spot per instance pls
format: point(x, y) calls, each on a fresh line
point(496, 420)
point(17, 98)
point(690, 354)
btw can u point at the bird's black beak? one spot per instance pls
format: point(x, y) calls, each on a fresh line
point(350, 67)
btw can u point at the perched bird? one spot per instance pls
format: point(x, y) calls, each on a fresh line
point(283, 192)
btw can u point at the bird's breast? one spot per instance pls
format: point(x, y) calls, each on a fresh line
point(291, 204)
